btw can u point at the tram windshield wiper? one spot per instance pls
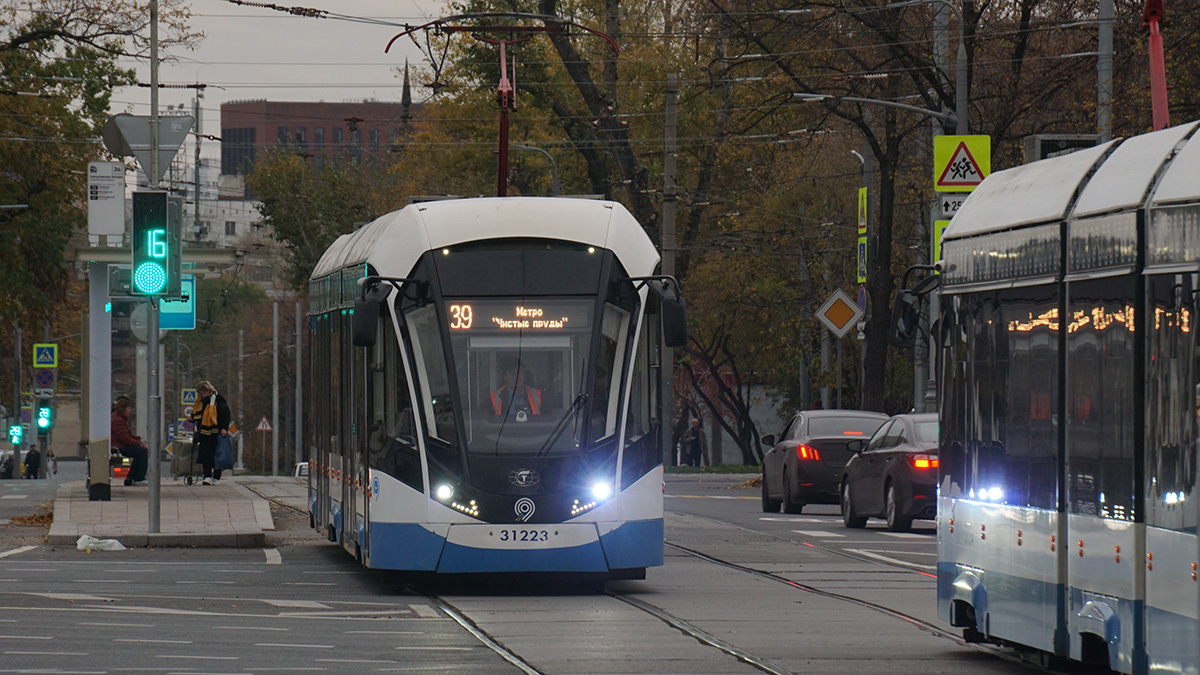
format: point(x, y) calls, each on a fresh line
point(569, 415)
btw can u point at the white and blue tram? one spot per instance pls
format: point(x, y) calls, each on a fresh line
point(485, 388)
point(1069, 379)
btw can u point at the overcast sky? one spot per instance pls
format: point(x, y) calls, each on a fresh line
point(255, 53)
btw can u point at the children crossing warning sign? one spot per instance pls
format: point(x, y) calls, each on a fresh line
point(961, 162)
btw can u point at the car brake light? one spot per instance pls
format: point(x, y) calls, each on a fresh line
point(923, 461)
point(852, 433)
point(805, 452)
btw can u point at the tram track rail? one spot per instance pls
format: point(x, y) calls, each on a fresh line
point(690, 629)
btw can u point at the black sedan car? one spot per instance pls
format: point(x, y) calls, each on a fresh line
point(894, 475)
point(805, 464)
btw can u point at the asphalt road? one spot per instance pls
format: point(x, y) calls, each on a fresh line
point(741, 592)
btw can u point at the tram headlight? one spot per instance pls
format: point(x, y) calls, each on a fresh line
point(444, 492)
point(601, 490)
point(995, 494)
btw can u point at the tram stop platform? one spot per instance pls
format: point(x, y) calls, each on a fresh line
point(234, 513)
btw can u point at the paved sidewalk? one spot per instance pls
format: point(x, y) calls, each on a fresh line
point(228, 514)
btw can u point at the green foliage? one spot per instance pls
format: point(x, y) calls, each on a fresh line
point(307, 211)
point(55, 100)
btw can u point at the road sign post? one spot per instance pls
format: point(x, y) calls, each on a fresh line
point(840, 313)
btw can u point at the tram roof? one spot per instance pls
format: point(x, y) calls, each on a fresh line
point(1029, 194)
point(1123, 181)
point(393, 242)
point(1112, 177)
point(1178, 183)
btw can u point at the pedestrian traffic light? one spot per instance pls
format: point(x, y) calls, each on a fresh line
point(45, 416)
point(15, 432)
point(154, 241)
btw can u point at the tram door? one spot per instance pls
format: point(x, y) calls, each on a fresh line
point(1172, 510)
point(1103, 552)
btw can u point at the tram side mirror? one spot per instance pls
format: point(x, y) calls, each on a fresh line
point(365, 322)
point(906, 319)
point(674, 318)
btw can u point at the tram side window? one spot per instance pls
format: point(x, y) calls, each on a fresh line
point(1171, 403)
point(610, 363)
point(432, 373)
point(1100, 401)
point(391, 441)
point(643, 442)
point(998, 438)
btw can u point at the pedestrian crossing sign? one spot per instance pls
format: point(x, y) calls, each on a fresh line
point(45, 355)
point(960, 163)
point(187, 396)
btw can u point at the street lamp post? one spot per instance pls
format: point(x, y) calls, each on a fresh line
point(960, 64)
point(554, 189)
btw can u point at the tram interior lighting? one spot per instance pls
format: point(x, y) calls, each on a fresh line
point(444, 492)
point(601, 490)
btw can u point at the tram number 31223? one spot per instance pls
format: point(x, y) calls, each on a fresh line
point(525, 535)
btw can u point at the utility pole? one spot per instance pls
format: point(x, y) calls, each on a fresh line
point(1104, 64)
point(196, 169)
point(275, 393)
point(241, 370)
point(299, 390)
point(667, 360)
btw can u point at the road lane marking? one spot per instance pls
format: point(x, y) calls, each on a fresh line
point(282, 630)
point(25, 637)
point(196, 656)
point(14, 497)
point(818, 533)
point(273, 556)
point(907, 535)
point(291, 646)
point(384, 632)
point(15, 653)
point(156, 642)
point(435, 649)
point(890, 560)
point(776, 519)
point(297, 604)
point(15, 551)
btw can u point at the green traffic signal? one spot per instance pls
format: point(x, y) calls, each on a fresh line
point(154, 241)
point(45, 417)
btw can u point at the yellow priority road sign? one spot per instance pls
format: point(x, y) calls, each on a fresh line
point(961, 162)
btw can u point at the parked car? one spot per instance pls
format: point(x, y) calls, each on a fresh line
point(300, 470)
point(121, 470)
point(805, 464)
point(894, 474)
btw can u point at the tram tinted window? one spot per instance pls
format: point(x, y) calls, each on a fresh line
point(391, 436)
point(999, 377)
point(519, 268)
point(1101, 439)
point(432, 373)
point(520, 368)
point(1171, 402)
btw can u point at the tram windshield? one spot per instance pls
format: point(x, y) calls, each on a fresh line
point(522, 368)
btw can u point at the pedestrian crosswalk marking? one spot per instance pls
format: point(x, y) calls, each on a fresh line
point(818, 533)
point(14, 497)
point(905, 535)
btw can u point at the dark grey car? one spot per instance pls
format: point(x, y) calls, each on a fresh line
point(804, 465)
point(895, 474)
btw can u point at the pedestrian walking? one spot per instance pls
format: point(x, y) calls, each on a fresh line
point(212, 417)
point(128, 444)
point(692, 443)
point(33, 462)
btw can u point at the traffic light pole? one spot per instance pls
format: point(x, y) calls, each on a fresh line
point(154, 428)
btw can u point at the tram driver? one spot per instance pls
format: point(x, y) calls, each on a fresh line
point(515, 397)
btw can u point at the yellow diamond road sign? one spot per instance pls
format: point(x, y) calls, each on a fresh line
point(839, 313)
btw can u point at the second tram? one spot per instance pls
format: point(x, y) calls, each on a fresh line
point(1069, 379)
point(486, 380)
